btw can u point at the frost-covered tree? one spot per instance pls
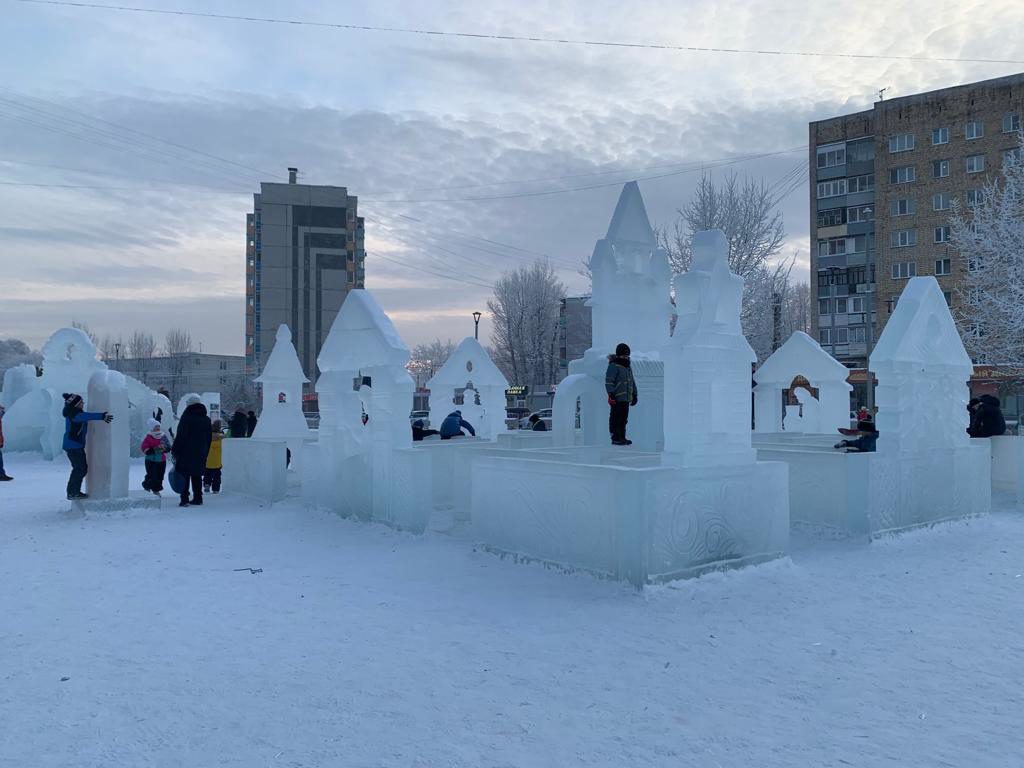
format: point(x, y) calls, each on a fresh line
point(141, 348)
point(747, 212)
point(434, 354)
point(990, 238)
point(525, 319)
point(177, 345)
point(16, 352)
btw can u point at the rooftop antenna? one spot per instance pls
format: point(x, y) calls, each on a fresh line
point(881, 93)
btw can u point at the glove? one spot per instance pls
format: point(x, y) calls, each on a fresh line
point(632, 403)
point(108, 417)
point(611, 400)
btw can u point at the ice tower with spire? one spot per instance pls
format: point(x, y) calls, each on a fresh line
point(630, 303)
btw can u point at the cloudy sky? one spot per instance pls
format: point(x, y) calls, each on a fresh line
point(123, 231)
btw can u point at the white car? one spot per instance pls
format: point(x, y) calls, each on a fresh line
point(423, 416)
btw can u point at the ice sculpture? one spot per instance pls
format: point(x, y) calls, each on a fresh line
point(802, 356)
point(282, 380)
point(630, 303)
point(704, 503)
point(364, 464)
point(18, 382)
point(107, 446)
point(926, 468)
point(707, 417)
point(484, 399)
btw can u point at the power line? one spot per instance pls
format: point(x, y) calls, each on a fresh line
point(517, 38)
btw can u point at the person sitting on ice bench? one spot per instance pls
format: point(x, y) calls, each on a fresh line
point(866, 435)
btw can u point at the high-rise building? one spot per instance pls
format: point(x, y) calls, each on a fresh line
point(883, 183)
point(304, 253)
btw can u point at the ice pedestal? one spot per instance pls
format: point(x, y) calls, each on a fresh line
point(135, 500)
point(1008, 466)
point(255, 468)
point(641, 525)
point(107, 445)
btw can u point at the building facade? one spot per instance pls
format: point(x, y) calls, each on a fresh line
point(304, 253)
point(575, 331)
point(188, 372)
point(883, 186)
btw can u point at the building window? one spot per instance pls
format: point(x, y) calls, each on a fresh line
point(842, 335)
point(823, 281)
point(841, 305)
point(973, 197)
point(942, 234)
point(858, 335)
point(865, 183)
point(825, 335)
point(833, 217)
point(974, 130)
point(1011, 155)
point(942, 201)
point(831, 155)
point(860, 213)
point(940, 169)
point(857, 304)
point(942, 267)
point(903, 238)
point(902, 270)
point(1011, 122)
point(824, 306)
point(948, 296)
point(975, 163)
point(904, 207)
point(903, 175)
point(940, 136)
point(904, 142)
point(974, 264)
point(832, 188)
point(835, 246)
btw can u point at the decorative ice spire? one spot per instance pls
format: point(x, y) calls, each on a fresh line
point(629, 222)
point(283, 364)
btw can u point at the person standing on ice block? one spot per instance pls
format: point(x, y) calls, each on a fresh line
point(621, 387)
point(76, 427)
point(4, 477)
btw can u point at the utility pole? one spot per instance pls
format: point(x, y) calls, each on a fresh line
point(476, 325)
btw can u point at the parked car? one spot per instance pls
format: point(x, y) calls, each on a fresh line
point(544, 414)
point(513, 415)
point(423, 416)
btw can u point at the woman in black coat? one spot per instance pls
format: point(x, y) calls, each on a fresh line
point(190, 448)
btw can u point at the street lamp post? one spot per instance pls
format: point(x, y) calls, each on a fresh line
point(476, 324)
point(117, 355)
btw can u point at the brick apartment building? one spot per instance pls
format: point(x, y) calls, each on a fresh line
point(882, 186)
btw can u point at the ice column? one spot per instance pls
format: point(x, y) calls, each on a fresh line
point(107, 444)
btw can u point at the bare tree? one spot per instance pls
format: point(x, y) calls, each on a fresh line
point(141, 349)
point(84, 328)
point(990, 238)
point(177, 346)
point(433, 355)
point(525, 320)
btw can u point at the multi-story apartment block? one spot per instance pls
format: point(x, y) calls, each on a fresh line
point(186, 372)
point(304, 253)
point(883, 184)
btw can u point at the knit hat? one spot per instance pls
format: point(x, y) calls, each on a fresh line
point(152, 424)
point(72, 399)
point(622, 350)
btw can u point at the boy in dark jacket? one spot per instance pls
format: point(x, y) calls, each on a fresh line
point(419, 431)
point(76, 427)
point(621, 387)
point(190, 448)
point(537, 423)
point(453, 425)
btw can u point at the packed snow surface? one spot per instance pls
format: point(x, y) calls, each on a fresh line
point(131, 639)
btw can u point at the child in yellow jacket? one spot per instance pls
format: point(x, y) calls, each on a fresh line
point(214, 464)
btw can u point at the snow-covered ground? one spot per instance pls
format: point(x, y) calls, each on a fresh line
point(130, 640)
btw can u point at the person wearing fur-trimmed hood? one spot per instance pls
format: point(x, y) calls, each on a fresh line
point(621, 388)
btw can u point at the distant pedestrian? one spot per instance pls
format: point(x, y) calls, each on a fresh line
point(4, 477)
point(537, 423)
point(250, 423)
point(453, 425)
point(155, 447)
point(76, 429)
point(238, 426)
point(214, 462)
point(987, 419)
point(190, 448)
point(621, 388)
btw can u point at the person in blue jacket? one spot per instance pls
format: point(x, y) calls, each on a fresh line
point(76, 427)
point(453, 425)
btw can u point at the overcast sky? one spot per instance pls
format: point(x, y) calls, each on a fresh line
point(147, 235)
